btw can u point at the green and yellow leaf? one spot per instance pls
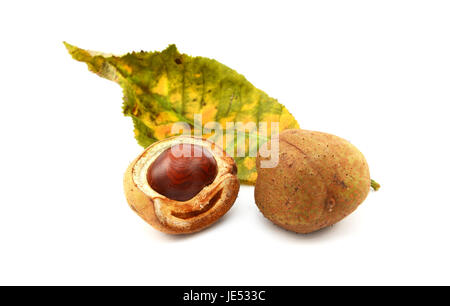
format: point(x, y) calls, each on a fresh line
point(163, 88)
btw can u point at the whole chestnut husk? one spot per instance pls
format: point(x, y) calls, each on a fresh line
point(181, 184)
point(319, 180)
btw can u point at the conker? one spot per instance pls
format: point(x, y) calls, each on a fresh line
point(181, 176)
point(181, 184)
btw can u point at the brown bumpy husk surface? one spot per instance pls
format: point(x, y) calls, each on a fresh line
point(319, 180)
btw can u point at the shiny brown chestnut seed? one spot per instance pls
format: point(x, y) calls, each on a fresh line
point(182, 171)
point(181, 184)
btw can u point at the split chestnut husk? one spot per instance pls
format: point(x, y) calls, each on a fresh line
point(181, 184)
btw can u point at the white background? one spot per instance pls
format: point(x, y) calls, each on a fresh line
point(374, 72)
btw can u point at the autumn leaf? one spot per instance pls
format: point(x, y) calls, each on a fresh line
point(163, 88)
